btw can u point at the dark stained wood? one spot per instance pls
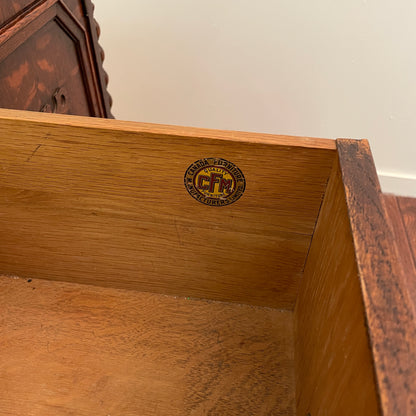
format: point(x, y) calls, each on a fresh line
point(111, 199)
point(333, 362)
point(69, 349)
point(389, 306)
point(50, 46)
point(10, 8)
point(93, 30)
point(78, 8)
point(50, 63)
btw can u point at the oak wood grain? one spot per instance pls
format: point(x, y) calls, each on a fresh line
point(111, 199)
point(389, 306)
point(69, 349)
point(333, 362)
point(163, 130)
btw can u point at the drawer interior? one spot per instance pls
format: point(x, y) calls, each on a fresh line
point(78, 349)
point(122, 295)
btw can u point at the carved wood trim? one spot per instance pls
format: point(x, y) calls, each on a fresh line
point(12, 36)
point(71, 26)
point(59, 102)
point(33, 17)
point(41, 13)
point(94, 33)
point(10, 22)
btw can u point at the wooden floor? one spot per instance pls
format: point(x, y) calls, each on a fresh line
point(68, 349)
point(402, 216)
point(401, 213)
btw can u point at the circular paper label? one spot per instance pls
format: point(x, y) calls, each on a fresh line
point(214, 181)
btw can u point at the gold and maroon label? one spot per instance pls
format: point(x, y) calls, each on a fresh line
point(214, 181)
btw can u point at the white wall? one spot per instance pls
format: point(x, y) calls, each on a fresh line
point(325, 68)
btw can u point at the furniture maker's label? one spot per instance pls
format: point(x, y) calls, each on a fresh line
point(215, 181)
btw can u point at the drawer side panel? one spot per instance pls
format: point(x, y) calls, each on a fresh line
point(333, 362)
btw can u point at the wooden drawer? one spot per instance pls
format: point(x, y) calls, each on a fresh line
point(157, 270)
point(50, 60)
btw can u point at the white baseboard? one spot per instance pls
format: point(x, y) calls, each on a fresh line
point(398, 184)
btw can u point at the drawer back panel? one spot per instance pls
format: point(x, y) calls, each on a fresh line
point(107, 205)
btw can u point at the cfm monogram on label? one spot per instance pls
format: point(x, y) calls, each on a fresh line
point(213, 182)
